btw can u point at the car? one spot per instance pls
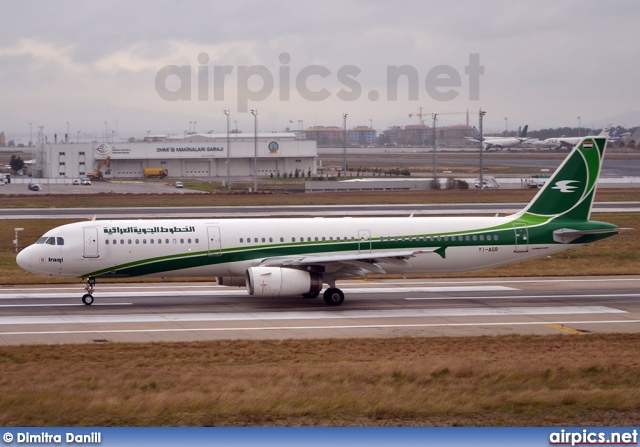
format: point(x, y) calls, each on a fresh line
point(179, 185)
point(34, 187)
point(85, 182)
point(76, 182)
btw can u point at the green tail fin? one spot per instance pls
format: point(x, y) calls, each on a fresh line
point(570, 191)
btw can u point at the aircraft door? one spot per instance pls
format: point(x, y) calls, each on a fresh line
point(521, 244)
point(91, 242)
point(215, 243)
point(364, 241)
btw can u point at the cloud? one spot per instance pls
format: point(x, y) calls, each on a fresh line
point(545, 63)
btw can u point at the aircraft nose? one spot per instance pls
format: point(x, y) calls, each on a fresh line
point(25, 259)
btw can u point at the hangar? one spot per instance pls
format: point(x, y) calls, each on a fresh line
point(194, 155)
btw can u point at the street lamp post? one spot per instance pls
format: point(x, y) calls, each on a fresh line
point(66, 136)
point(228, 113)
point(579, 127)
point(344, 167)
point(481, 115)
point(506, 127)
point(435, 148)
point(255, 149)
point(30, 135)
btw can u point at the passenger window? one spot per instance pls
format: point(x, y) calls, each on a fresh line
point(106, 241)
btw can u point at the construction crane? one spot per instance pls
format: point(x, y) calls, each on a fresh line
point(421, 114)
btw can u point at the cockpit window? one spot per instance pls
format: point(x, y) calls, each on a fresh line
point(51, 240)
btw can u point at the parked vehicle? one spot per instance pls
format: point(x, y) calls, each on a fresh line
point(155, 172)
point(34, 187)
point(75, 182)
point(85, 182)
point(179, 185)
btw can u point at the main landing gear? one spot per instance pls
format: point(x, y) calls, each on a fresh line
point(87, 298)
point(333, 296)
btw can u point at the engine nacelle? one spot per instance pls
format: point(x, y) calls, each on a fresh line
point(276, 281)
point(231, 281)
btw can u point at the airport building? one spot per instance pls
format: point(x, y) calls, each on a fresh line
point(195, 155)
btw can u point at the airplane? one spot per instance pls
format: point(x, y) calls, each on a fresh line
point(275, 257)
point(569, 142)
point(500, 142)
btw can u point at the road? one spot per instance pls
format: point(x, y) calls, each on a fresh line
point(137, 312)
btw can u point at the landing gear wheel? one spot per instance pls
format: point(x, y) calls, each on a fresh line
point(87, 299)
point(311, 295)
point(333, 296)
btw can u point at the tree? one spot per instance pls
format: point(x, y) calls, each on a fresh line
point(16, 163)
point(451, 183)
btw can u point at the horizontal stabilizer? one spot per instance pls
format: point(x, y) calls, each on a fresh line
point(567, 235)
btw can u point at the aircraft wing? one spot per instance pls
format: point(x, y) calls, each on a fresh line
point(352, 263)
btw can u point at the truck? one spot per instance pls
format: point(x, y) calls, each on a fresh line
point(155, 172)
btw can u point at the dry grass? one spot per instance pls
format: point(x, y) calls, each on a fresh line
point(221, 198)
point(511, 380)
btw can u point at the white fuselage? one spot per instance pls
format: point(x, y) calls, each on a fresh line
point(228, 247)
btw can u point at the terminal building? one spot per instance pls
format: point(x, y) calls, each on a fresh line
point(195, 155)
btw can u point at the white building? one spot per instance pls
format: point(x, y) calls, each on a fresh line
point(196, 155)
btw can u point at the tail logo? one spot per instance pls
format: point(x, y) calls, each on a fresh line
point(565, 186)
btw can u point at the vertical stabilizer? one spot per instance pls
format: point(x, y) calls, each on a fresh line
point(570, 191)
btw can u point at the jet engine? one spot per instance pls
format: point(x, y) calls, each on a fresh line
point(231, 281)
point(276, 281)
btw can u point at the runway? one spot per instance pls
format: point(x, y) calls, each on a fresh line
point(163, 312)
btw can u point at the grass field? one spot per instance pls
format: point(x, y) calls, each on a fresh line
point(482, 381)
point(508, 380)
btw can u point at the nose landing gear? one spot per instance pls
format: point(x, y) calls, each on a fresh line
point(87, 298)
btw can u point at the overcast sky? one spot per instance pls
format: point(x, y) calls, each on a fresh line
point(127, 63)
